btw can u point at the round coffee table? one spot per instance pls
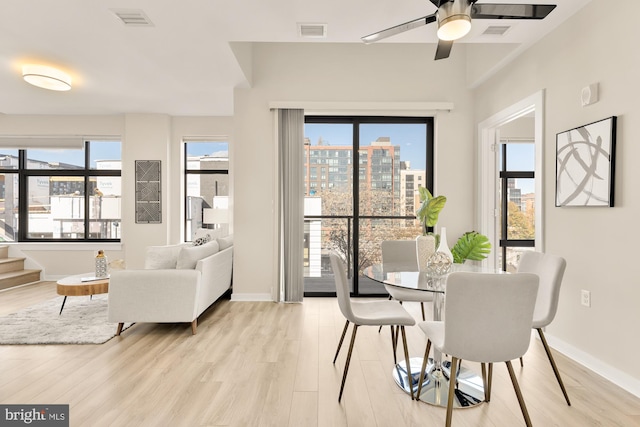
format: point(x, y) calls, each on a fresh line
point(81, 285)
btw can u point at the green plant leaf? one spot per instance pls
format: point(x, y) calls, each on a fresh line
point(430, 208)
point(471, 245)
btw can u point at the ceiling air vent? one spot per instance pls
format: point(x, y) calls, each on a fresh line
point(496, 30)
point(312, 30)
point(133, 17)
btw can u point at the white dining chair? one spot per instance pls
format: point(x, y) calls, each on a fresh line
point(487, 319)
point(401, 255)
point(550, 268)
point(367, 313)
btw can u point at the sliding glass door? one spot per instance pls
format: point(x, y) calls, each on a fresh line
point(393, 156)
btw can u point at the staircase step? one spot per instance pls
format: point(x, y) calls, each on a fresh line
point(8, 265)
point(16, 278)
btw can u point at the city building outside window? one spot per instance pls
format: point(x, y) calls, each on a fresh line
point(206, 180)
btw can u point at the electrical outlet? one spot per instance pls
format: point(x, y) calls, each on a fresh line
point(585, 298)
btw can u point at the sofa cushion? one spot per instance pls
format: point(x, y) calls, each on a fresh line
point(225, 242)
point(190, 255)
point(161, 257)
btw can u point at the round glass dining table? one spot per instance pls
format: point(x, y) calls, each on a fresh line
point(469, 389)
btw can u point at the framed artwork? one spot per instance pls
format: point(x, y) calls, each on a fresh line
point(148, 195)
point(585, 164)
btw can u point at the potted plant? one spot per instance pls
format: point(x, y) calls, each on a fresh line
point(428, 214)
point(429, 209)
point(471, 246)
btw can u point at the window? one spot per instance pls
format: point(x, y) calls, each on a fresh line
point(206, 180)
point(61, 194)
point(366, 200)
point(517, 206)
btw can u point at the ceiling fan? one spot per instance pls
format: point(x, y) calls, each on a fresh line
point(454, 20)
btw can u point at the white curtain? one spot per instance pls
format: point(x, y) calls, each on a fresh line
point(290, 140)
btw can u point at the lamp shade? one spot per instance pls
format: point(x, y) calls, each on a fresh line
point(46, 77)
point(215, 216)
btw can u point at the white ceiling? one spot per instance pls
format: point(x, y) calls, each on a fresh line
point(183, 64)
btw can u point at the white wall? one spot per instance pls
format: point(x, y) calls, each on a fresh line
point(144, 137)
point(299, 73)
point(596, 45)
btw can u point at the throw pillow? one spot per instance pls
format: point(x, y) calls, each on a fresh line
point(162, 257)
point(190, 255)
point(225, 242)
point(201, 232)
point(201, 240)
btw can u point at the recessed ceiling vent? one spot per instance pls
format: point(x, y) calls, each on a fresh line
point(133, 17)
point(496, 30)
point(314, 31)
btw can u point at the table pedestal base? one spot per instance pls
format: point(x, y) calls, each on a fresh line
point(435, 390)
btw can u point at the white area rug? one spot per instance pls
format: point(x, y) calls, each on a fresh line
point(83, 321)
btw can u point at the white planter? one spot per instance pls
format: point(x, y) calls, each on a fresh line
point(444, 246)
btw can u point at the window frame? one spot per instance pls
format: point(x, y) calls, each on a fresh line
point(359, 166)
point(85, 172)
point(187, 172)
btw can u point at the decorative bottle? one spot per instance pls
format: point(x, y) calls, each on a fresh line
point(101, 264)
point(444, 246)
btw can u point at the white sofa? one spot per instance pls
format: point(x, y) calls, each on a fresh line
point(178, 283)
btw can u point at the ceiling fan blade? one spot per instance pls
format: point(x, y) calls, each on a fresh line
point(444, 49)
point(399, 29)
point(438, 3)
point(511, 11)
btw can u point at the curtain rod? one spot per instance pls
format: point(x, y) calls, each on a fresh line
point(366, 107)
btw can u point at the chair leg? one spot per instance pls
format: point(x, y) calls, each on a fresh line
point(521, 362)
point(422, 307)
point(194, 326)
point(553, 365)
point(423, 372)
point(516, 387)
point(394, 342)
point(119, 330)
point(344, 332)
point(487, 392)
point(380, 328)
point(484, 381)
point(346, 366)
point(407, 360)
point(454, 366)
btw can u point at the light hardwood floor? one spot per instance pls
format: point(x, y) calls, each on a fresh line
point(268, 364)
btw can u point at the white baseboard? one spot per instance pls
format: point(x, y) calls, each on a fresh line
point(615, 375)
point(251, 297)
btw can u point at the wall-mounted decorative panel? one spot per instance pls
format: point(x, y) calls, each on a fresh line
point(148, 192)
point(585, 164)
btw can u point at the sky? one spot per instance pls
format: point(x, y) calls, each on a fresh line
point(412, 141)
point(410, 137)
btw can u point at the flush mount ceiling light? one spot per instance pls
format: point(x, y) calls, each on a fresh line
point(454, 20)
point(46, 77)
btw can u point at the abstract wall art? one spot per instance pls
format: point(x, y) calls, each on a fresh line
point(148, 185)
point(585, 164)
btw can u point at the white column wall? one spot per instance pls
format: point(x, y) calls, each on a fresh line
point(341, 73)
point(598, 44)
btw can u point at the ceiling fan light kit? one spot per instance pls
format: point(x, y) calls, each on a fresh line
point(454, 20)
